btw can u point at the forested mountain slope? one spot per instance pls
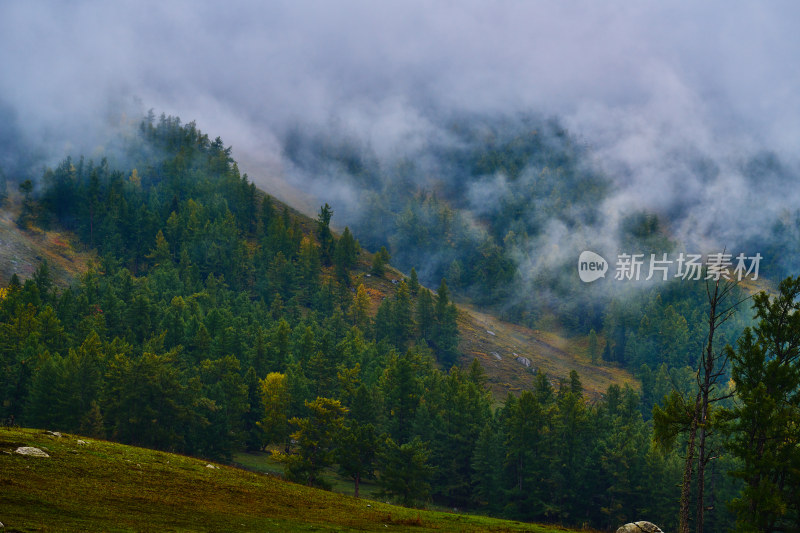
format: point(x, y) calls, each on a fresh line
point(216, 320)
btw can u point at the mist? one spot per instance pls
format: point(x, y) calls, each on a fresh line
point(691, 112)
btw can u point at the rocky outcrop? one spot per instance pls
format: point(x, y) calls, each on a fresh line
point(640, 527)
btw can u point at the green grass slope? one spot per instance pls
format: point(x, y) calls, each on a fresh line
point(101, 486)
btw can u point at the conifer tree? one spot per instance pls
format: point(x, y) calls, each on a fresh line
point(403, 322)
point(425, 315)
point(357, 452)
point(359, 310)
point(445, 331)
point(413, 282)
point(345, 255)
point(379, 262)
point(275, 399)
point(253, 432)
point(764, 429)
point(324, 234)
point(487, 467)
point(405, 472)
point(317, 437)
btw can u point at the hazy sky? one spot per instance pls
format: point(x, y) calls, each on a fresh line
point(638, 81)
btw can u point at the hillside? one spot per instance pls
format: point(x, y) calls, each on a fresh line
point(93, 485)
point(221, 321)
point(21, 251)
point(512, 354)
point(494, 342)
point(502, 347)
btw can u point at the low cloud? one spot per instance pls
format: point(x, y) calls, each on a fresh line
point(673, 102)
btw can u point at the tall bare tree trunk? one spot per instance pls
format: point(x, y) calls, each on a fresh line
point(707, 382)
point(686, 485)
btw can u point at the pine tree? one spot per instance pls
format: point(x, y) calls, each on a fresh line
point(92, 422)
point(764, 429)
point(405, 472)
point(275, 399)
point(324, 234)
point(359, 310)
point(379, 262)
point(413, 282)
point(527, 463)
point(425, 315)
point(44, 281)
point(345, 255)
point(253, 433)
point(266, 215)
point(317, 437)
point(403, 323)
point(571, 437)
point(487, 467)
point(357, 452)
point(402, 390)
point(445, 332)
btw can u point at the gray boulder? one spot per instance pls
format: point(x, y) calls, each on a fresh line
point(30, 450)
point(640, 527)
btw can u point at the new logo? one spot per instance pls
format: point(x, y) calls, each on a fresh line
point(591, 266)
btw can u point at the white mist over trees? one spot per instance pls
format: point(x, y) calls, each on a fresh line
point(689, 112)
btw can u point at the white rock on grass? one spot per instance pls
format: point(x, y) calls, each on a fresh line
point(209, 465)
point(639, 527)
point(30, 450)
point(524, 361)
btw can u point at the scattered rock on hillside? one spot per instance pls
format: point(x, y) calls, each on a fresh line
point(497, 356)
point(82, 443)
point(209, 465)
point(56, 434)
point(640, 527)
point(30, 450)
point(524, 361)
